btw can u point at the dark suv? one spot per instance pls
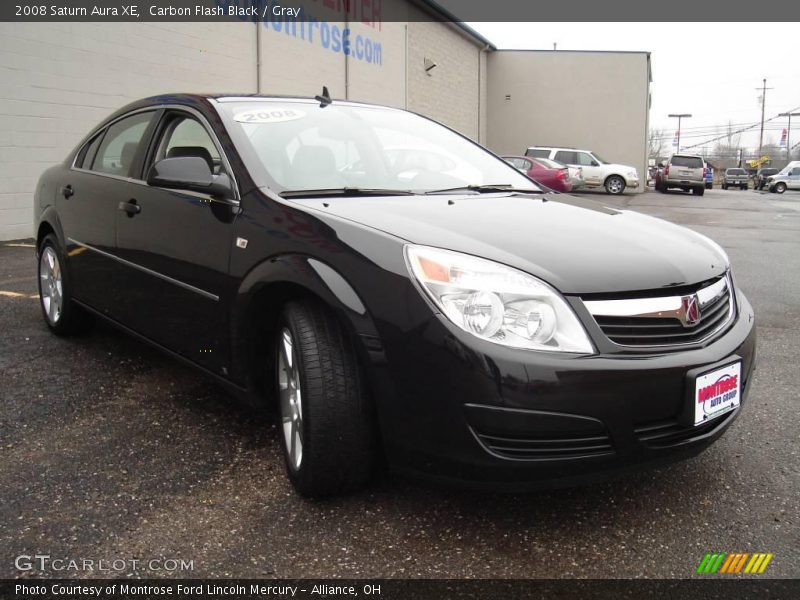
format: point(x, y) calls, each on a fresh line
point(762, 175)
point(393, 290)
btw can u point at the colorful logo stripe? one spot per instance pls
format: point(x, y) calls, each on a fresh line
point(734, 562)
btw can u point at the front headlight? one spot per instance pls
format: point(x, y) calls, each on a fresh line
point(633, 175)
point(497, 303)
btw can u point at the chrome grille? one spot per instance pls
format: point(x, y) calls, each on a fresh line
point(666, 320)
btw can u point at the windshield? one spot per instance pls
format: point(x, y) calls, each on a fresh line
point(304, 147)
point(735, 171)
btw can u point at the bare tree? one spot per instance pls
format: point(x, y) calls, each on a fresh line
point(655, 144)
point(734, 138)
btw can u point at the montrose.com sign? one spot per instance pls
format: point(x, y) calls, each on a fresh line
point(304, 26)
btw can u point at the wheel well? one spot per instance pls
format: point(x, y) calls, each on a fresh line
point(260, 324)
point(44, 229)
point(613, 175)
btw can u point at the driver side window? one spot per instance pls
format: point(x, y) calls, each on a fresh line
point(585, 160)
point(185, 136)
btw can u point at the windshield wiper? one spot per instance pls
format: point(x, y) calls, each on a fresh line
point(485, 189)
point(344, 191)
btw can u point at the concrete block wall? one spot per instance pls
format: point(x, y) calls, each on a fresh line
point(452, 92)
point(58, 80)
point(591, 100)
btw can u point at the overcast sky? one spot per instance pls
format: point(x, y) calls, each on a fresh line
point(710, 70)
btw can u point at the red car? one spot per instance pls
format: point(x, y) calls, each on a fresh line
point(548, 172)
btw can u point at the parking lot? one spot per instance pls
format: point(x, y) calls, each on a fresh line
point(111, 450)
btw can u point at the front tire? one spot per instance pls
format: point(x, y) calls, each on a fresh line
point(615, 185)
point(327, 427)
point(780, 187)
point(60, 313)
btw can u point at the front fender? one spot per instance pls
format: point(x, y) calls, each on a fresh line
point(310, 276)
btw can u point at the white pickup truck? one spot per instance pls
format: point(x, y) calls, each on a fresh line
point(596, 172)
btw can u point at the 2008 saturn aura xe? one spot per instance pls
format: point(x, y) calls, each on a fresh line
point(398, 293)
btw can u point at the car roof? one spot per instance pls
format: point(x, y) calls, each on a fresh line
point(204, 102)
point(557, 148)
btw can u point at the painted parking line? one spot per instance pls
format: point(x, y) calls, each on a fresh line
point(19, 245)
point(8, 294)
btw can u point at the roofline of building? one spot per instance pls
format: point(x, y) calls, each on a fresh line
point(647, 52)
point(445, 15)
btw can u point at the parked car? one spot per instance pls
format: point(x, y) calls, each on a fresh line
point(762, 175)
point(456, 322)
point(596, 172)
point(735, 178)
point(787, 179)
point(683, 171)
point(709, 177)
point(547, 172)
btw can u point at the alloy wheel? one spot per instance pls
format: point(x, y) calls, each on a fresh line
point(615, 185)
point(51, 285)
point(291, 399)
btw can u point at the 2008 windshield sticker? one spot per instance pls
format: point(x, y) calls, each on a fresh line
point(269, 115)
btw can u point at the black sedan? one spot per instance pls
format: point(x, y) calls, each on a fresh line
point(395, 292)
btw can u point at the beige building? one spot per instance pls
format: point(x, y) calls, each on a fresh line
point(598, 101)
point(58, 80)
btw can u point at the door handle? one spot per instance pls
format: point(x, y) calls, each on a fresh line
point(130, 207)
point(67, 191)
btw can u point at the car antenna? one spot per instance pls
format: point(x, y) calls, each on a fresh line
point(325, 98)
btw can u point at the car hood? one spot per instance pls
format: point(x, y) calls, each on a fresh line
point(624, 169)
point(577, 245)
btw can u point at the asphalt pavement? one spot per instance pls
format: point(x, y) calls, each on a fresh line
point(110, 450)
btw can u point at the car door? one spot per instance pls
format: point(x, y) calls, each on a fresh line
point(102, 175)
point(593, 172)
point(794, 179)
point(176, 244)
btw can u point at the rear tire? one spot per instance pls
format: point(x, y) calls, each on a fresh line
point(325, 411)
point(698, 191)
point(614, 185)
point(60, 313)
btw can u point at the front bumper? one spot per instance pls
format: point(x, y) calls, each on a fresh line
point(632, 182)
point(457, 409)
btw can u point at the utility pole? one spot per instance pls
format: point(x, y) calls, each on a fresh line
point(679, 117)
point(763, 89)
point(789, 132)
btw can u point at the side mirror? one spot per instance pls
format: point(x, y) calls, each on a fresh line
point(189, 173)
point(660, 165)
point(595, 163)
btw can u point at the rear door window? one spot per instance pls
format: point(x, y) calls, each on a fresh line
point(121, 145)
point(567, 157)
point(89, 151)
point(538, 152)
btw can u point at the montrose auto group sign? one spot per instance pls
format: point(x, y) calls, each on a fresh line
point(312, 22)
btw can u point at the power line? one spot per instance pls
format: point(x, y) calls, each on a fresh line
point(730, 133)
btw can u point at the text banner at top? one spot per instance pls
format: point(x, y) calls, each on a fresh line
point(378, 11)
